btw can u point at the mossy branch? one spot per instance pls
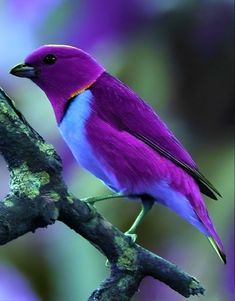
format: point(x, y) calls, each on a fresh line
point(38, 197)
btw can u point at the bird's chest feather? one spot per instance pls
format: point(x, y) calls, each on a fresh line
point(73, 130)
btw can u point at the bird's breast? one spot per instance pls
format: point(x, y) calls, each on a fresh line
point(73, 130)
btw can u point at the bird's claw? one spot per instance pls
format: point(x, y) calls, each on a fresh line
point(132, 236)
point(90, 201)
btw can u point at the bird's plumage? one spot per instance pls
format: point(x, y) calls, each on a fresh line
point(118, 137)
point(130, 113)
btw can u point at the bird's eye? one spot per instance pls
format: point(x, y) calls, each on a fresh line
point(49, 59)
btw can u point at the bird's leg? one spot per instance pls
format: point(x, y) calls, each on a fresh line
point(93, 200)
point(147, 204)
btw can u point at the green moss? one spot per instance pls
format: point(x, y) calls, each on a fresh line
point(127, 258)
point(45, 148)
point(70, 199)
point(27, 182)
point(54, 196)
point(124, 282)
point(3, 107)
point(121, 242)
point(8, 203)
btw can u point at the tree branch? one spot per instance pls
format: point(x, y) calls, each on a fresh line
point(38, 197)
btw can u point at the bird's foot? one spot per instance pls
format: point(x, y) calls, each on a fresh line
point(90, 200)
point(132, 236)
point(93, 200)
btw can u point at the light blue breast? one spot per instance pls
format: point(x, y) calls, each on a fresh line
point(73, 131)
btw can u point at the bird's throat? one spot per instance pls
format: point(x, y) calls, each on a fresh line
point(80, 90)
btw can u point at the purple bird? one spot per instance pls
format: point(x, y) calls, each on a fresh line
point(118, 137)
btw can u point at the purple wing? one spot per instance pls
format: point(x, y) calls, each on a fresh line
point(128, 112)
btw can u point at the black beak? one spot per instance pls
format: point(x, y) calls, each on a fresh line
point(23, 70)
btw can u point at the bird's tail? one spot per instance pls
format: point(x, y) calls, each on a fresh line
point(212, 234)
point(209, 229)
point(214, 238)
point(218, 249)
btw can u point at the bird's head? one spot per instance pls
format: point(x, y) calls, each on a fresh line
point(61, 72)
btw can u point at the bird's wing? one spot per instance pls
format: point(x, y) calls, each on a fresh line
point(120, 106)
point(205, 186)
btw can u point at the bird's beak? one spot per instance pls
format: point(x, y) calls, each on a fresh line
point(23, 70)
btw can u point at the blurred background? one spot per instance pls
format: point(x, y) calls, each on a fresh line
point(178, 55)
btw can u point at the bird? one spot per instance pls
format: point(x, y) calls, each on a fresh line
point(118, 137)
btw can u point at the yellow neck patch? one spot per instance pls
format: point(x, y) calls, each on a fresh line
point(79, 91)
